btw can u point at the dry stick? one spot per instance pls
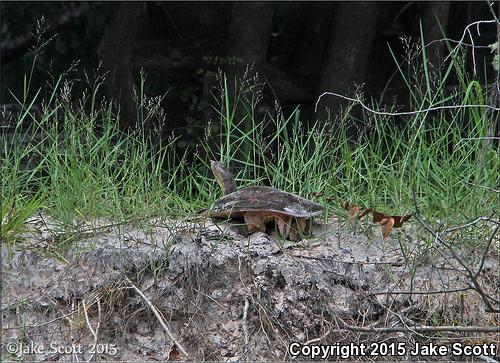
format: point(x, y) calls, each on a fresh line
point(396, 264)
point(87, 320)
point(70, 323)
point(451, 107)
point(472, 276)
point(41, 324)
point(424, 328)
point(474, 72)
point(434, 292)
point(245, 325)
point(456, 41)
point(493, 12)
point(460, 42)
point(486, 251)
point(467, 31)
point(479, 138)
point(158, 316)
point(487, 359)
point(317, 340)
point(407, 323)
point(256, 303)
point(474, 222)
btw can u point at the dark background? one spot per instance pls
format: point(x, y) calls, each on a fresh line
point(299, 49)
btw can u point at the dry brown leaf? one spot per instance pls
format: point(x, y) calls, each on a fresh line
point(398, 220)
point(364, 213)
point(386, 225)
point(174, 354)
point(353, 211)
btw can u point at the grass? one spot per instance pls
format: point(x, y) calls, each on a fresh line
point(74, 162)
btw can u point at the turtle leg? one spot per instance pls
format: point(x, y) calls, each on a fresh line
point(300, 228)
point(254, 222)
point(283, 224)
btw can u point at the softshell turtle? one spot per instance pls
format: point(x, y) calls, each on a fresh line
point(259, 205)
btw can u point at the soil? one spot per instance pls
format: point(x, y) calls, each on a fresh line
point(228, 297)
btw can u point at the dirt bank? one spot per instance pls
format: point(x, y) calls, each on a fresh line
point(225, 297)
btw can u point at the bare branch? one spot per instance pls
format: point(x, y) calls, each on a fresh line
point(422, 329)
point(87, 320)
point(457, 42)
point(158, 316)
point(451, 107)
point(245, 324)
point(472, 276)
point(481, 138)
point(435, 292)
point(485, 252)
point(490, 6)
point(470, 224)
point(467, 32)
point(317, 340)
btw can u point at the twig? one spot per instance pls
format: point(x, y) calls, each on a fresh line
point(423, 328)
point(317, 340)
point(407, 323)
point(116, 224)
point(456, 41)
point(473, 52)
point(493, 11)
point(451, 107)
point(479, 138)
point(472, 276)
point(382, 263)
point(87, 320)
point(41, 324)
point(474, 222)
point(210, 298)
point(487, 359)
point(158, 316)
point(70, 323)
point(420, 292)
point(467, 31)
point(487, 248)
point(245, 325)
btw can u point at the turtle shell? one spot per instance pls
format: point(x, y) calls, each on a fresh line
point(263, 199)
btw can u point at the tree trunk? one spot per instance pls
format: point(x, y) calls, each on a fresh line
point(346, 57)
point(436, 12)
point(248, 36)
point(115, 52)
point(312, 43)
point(246, 44)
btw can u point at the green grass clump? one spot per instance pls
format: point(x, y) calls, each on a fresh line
point(76, 163)
point(434, 155)
point(72, 159)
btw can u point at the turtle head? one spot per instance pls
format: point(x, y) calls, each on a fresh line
point(223, 177)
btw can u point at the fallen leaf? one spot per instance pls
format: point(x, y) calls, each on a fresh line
point(398, 220)
point(386, 225)
point(174, 353)
point(354, 211)
point(364, 213)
